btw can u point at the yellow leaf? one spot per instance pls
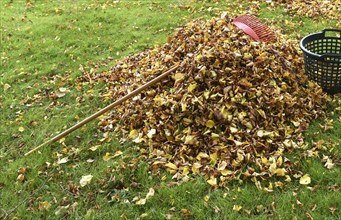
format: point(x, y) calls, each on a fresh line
point(44, 205)
point(214, 157)
point(171, 166)
point(94, 147)
point(21, 129)
point(202, 155)
point(237, 208)
point(233, 130)
point(279, 161)
point(206, 198)
point(133, 134)
point(287, 178)
point(118, 153)
point(214, 135)
point(212, 181)
point(237, 143)
point(222, 165)
point(107, 157)
point(196, 167)
point(178, 76)
point(280, 172)
point(190, 139)
point(183, 107)
point(311, 84)
point(185, 171)
point(141, 202)
point(207, 94)
point(210, 124)
point(226, 172)
point(235, 163)
point(262, 133)
point(305, 180)
point(191, 87)
point(273, 168)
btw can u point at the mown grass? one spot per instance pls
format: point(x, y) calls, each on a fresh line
point(43, 45)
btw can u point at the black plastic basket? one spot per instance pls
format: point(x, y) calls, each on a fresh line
point(322, 59)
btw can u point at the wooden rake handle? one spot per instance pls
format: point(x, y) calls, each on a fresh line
point(104, 110)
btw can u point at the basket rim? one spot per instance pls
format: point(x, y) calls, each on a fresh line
point(319, 56)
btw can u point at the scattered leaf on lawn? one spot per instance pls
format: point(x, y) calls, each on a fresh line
point(141, 201)
point(85, 180)
point(237, 208)
point(6, 87)
point(94, 148)
point(150, 193)
point(44, 206)
point(21, 178)
point(305, 180)
point(212, 181)
point(63, 160)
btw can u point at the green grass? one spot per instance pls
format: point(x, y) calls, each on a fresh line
point(43, 45)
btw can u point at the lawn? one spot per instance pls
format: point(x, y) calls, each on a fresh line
point(46, 49)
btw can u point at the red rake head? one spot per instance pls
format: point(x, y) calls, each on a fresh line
point(255, 28)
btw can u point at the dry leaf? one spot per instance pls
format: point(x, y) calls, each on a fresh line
point(63, 160)
point(150, 193)
point(43, 206)
point(237, 208)
point(305, 180)
point(85, 180)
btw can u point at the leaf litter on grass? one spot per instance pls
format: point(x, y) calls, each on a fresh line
point(326, 8)
point(235, 108)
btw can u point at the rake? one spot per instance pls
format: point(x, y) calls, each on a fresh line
point(107, 108)
point(255, 28)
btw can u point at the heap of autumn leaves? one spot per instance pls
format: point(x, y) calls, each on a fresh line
point(326, 8)
point(233, 109)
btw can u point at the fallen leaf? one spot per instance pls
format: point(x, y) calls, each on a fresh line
point(44, 206)
point(94, 148)
point(171, 166)
point(85, 180)
point(21, 178)
point(141, 202)
point(117, 153)
point(212, 181)
point(210, 124)
point(178, 76)
point(186, 212)
point(305, 180)
point(107, 156)
point(63, 160)
point(6, 87)
point(151, 133)
point(150, 193)
point(237, 208)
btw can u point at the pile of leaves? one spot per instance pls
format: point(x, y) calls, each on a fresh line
point(327, 8)
point(234, 109)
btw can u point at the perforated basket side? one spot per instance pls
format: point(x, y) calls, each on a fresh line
point(322, 60)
